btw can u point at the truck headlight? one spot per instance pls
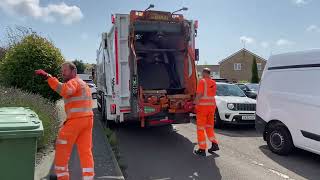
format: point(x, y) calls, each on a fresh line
point(230, 106)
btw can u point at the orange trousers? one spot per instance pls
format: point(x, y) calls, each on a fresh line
point(75, 131)
point(205, 125)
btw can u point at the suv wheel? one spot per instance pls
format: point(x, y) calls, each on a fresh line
point(279, 140)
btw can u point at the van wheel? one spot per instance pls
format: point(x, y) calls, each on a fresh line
point(217, 121)
point(279, 140)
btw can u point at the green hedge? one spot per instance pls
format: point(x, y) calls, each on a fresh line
point(21, 60)
point(46, 110)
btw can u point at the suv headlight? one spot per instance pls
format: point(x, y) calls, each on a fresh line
point(230, 106)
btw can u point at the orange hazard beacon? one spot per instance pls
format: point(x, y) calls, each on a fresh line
point(146, 68)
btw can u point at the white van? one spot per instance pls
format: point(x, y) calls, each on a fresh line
point(288, 104)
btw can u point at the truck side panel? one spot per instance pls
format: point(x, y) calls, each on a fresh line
point(123, 70)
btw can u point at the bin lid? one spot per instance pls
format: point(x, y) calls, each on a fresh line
point(14, 119)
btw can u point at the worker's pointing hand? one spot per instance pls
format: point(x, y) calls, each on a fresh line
point(42, 73)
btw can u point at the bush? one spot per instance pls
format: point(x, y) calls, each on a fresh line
point(33, 52)
point(47, 111)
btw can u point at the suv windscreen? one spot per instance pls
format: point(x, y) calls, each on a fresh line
point(229, 90)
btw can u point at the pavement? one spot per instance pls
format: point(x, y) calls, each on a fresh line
point(165, 153)
point(106, 167)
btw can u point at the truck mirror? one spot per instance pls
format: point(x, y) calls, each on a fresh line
point(196, 55)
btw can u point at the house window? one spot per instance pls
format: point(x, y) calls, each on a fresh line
point(237, 66)
point(259, 66)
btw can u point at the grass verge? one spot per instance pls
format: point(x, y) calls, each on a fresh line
point(113, 141)
point(46, 110)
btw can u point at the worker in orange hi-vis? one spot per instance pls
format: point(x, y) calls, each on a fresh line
point(77, 128)
point(205, 109)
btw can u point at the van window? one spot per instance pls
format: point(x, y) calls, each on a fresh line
point(297, 81)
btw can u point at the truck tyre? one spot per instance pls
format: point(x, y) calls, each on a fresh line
point(103, 110)
point(53, 177)
point(279, 140)
point(217, 121)
point(99, 100)
point(99, 107)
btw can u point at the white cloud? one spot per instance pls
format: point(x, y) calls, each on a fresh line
point(84, 36)
point(284, 42)
point(313, 28)
point(50, 13)
point(265, 44)
point(247, 40)
point(300, 2)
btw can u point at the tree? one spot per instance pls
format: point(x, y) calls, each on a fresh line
point(22, 58)
point(16, 34)
point(80, 66)
point(2, 53)
point(255, 76)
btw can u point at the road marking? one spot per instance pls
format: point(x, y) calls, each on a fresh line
point(111, 177)
point(273, 171)
point(162, 179)
point(280, 174)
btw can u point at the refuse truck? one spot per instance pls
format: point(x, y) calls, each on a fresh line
point(146, 68)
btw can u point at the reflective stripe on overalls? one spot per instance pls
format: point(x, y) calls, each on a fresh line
point(209, 100)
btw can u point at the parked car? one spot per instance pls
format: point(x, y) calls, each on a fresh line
point(221, 80)
point(92, 87)
point(289, 102)
point(250, 89)
point(233, 106)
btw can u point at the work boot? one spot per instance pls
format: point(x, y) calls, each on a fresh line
point(53, 177)
point(200, 152)
point(214, 147)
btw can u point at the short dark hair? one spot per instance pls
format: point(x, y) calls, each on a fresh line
point(71, 65)
point(206, 70)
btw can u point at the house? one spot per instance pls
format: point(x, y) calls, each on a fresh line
point(238, 66)
point(215, 73)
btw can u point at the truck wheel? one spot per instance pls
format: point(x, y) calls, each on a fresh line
point(99, 107)
point(279, 140)
point(217, 121)
point(100, 101)
point(103, 110)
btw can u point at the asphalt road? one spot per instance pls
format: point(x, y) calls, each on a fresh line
point(165, 153)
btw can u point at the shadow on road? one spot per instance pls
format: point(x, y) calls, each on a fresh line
point(237, 130)
point(293, 162)
point(162, 153)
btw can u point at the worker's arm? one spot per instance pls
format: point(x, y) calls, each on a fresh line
point(64, 89)
point(200, 91)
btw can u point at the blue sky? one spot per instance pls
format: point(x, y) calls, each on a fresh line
point(268, 27)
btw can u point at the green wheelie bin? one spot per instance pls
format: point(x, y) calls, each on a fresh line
point(19, 130)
